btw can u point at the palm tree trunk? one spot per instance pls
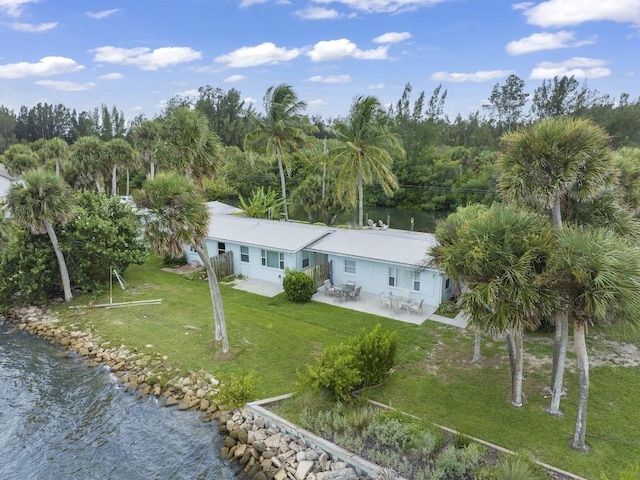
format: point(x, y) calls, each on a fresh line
point(62, 264)
point(583, 380)
point(216, 300)
point(511, 349)
point(517, 375)
point(476, 346)
point(128, 178)
point(559, 359)
point(283, 185)
point(57, 167)
point(114, 181)
point(360, 202)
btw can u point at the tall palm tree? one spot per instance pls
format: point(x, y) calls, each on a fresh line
point(56, 149)
point(280, 131)
point(146, 139)
point(501, 255)
point(365, 154)
point(39, 202)
point(177, 217)
point(118, 152)
point(88, 159)
point(599, 274)
point(549, 167)
point(19, 158)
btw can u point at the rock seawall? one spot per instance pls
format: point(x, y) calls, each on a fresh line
point(259, 451)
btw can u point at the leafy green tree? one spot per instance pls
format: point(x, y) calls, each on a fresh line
point(7, 227)
point(561, 96)
point(39, 203)
point(501, 256)
point(366, 152)
point(119, 153)
point(89, 161)
point(19, 158)
point(56, 149)
point(146, 137)
point(7, 128)
point(599, 274)
point(549, 167)
point(225, 112)
point(177, 217)
point(506, 103)
point(280, 131)
point(262, 204)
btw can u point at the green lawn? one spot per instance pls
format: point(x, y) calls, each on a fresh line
point(434, 378)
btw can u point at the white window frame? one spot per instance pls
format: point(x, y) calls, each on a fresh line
point(350, 267)
point(393, 277)
point(244, 254)
point(416, 281)
point(265, 259)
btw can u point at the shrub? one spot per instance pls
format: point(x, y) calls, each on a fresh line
point(298, 286)
point(375, 354)
point(172, 262)
point(516, 468)
point(235, 391)
point(336, 370)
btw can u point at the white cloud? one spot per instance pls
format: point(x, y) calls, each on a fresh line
point(111, 76)
point(376, 86)
point(249, 101)
point(161, 104)
point(102, 13)
point(329, 50)
point(558, 13)
point(579, 67)
point(66, 86)
point(47, 66)
point(331, 79)
point(544, 41)
point(32, 28)
point(234, 78)
point(145, 58)
point(480, 76)
point(192, 92)
point(381, 6)
point(264, 54)
point(392, 37)
point(13, 8)
point(317, 13)
point(318, 102)
point(248, 3)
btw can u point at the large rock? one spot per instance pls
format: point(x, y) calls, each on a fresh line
point(303, 469)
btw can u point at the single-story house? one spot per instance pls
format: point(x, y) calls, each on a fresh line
point(391, 261)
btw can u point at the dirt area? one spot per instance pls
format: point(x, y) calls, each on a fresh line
point(182, 269)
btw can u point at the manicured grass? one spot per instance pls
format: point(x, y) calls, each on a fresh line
point(434, 378)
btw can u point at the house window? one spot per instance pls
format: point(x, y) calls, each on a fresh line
point(221, 248)
point(446, 284)
point(393, 277)
point(416, 281)
point(305, 259)
point(192, 249)
point(273, 259)
point(350, 266)
point(244, 254)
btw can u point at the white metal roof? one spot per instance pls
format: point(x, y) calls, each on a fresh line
point(389, 246)
point(269, 234)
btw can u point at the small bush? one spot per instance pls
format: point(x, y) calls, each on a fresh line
point(298, 286)
point(235, 391)
point(200, 274)
point(375, 354)
point(461, 441)
point(173, 262)
point(336, 371)
point(516, 468)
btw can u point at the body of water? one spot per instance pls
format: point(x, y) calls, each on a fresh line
point(60, 419)
point(402, 219)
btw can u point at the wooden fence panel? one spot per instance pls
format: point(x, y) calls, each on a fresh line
point(223, 264)
point(318, 273)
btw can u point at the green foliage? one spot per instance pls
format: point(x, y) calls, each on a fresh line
point(217, 189)
point(375, 354)
point(236, 390)
point(298, 286)
point(461, 441)
point(454, 463)
point(262, 204)
point(171, 261)
point(517, 468)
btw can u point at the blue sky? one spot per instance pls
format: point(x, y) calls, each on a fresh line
point(136, 54)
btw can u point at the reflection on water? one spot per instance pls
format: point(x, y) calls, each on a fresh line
point(63, 420)
point(416, 220)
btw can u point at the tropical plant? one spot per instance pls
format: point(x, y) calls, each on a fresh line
point(146, 138)
point(262, 204)
point(178, 217)
point(548, 167)
point(40, 202)
point(56, 149)
point(279, 132)
point(89, 162)
point(119, 153)
point(19, 158)
point(366, 152)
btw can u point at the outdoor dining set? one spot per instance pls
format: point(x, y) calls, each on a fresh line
point(341, 292)
point(400, 304)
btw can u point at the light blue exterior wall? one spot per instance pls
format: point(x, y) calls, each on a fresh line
point(373, 277)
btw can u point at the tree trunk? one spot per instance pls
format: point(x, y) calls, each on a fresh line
point(360, 202)
point(518, 340)
point(559, 360)
point(556, 213)
point(62, 264)
point(57, 167)
point(580, 343)
point(216, 300)
point(152, 170)
point(114, 181)
point(511, 349)
point(128, 178)
point(476, 346)
point(283, 185)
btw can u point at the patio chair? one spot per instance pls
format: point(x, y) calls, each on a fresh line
point(351, 283)
point(328, 287)
point(416, 307)
point(355, 294)
point(385, 302)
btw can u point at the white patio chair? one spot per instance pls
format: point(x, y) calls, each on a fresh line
point(328, 288)
point(355, 294)
point(416, 307)
point(385, 302)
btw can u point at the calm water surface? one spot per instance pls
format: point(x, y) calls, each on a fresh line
point(60, 419)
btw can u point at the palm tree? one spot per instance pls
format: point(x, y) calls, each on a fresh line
point(41, 201)
point(89, 161)
point(599, 274)
point(365, 155)
point(118, 152)
point(146, 139)
point(500, 254)
point(549, 167)
point(19, 158)
point(56, 149)
point(177, 217)
point(281, 130)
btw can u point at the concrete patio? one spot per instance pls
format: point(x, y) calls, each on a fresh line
point(367, 303)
